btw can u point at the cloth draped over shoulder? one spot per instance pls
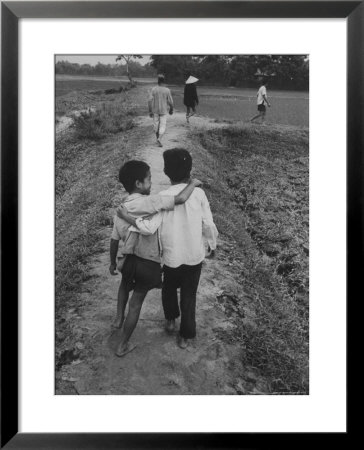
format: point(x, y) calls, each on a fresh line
point(190, 95)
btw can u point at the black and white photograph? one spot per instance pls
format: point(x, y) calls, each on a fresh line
point(180, 202)
point(182, 224)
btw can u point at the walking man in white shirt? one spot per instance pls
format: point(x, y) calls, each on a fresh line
point(262, 99)
point(159, 103)
point(183, 233)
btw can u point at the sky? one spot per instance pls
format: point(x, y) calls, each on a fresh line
point(94, 59)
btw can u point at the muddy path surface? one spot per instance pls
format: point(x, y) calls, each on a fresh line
point(210, 365)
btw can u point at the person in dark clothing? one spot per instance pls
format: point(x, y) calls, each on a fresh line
point(190, 98)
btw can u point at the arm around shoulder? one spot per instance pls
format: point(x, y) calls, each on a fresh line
point(185, 194)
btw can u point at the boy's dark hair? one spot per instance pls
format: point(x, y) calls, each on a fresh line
point(161, 78)
point(131, 172)
point(177, 164)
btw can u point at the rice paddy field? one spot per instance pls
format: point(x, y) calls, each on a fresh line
point(219, 103)
point(71, 83)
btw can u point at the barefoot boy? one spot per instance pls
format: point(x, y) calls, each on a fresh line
point(183, 232)
point(141, 271)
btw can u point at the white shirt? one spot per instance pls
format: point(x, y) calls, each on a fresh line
point(160, 100)
point(183, 230)
point(262, 91)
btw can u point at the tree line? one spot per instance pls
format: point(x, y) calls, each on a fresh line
point(110, 70)
point(283, 71)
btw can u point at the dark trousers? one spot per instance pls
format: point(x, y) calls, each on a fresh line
point(186, 278)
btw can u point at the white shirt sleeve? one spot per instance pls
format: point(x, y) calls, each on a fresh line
point(209, 230)
point(149, 226)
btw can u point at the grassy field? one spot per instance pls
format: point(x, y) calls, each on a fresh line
point(70, 83)
point(288, 108)
point(225, 104)
point(261, 191)
point(86, 184)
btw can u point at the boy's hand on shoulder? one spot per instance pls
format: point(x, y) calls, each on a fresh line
point(196, 182)
point(112, 269)
point(210, 253)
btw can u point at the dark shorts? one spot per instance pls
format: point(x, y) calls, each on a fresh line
point(261, 107)
point(141, 275)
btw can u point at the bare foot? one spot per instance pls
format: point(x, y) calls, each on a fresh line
point(170, 326)
point(124, 349)
point(182, 342)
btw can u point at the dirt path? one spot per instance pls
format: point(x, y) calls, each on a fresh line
point(157, 366)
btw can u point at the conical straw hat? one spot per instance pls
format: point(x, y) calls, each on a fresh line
point(191, 80)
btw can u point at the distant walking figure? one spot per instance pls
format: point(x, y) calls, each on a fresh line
point(261, 100)
point(160, 102)
point(190, 98)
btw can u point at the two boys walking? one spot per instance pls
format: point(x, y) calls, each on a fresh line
point(169, 228)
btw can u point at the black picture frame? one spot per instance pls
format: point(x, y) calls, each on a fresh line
point(11, 12)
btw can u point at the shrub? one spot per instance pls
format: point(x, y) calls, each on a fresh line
point(106, 119)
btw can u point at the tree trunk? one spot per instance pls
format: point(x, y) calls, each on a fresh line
point(131, 81)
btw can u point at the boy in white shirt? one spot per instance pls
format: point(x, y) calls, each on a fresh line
point(261, 100)
point(183, 232)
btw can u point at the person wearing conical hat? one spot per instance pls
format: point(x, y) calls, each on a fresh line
point(190, 99)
